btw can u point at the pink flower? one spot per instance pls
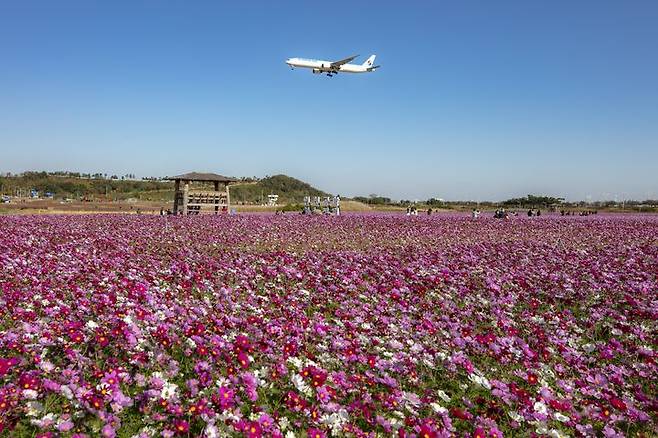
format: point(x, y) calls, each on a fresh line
point(315, 433)
point(225, 398)
point(181, 426)
point(65, 426)
point(253, 430)
point(7, 364)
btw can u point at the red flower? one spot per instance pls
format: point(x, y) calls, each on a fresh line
point(618, 403)
point(76, 337)
point(96, 402)
point(102, 340)
point(241, 343)
point(243, 360)
point(289, 348)
point(532, 378)
point(29, 381)
point(456, 412)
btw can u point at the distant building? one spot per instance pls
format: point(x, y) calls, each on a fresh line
point(272, 200)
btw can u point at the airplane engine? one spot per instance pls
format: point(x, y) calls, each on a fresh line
point(317, 71)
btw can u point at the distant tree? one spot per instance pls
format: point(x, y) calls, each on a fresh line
point(434, 201)
point(533, 201)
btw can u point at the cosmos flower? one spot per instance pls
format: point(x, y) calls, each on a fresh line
point(296, 326)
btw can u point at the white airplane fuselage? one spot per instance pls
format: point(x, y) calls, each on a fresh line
point(319, 66)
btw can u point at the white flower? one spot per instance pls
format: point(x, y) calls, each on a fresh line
point(411, 399)
point(104, 388)
point(91, 325)
point(30, 393)
point(443, 395)
point(554, 433)
point(128, 320)
point(301, 386)
point(438, 408)
point(66, 392)
point(561, 417)
point(480, 380)
point(541, 428)
point(33, 408)
point(589, 348)
point(168, 390)
point(211, 431)
point(540, 408)
point(396, 345)
point(47, 366)
point(296, 362)
point(290, 434)
point(335, 421)
point(145, 431)
point(515, 416)
point(283, 423)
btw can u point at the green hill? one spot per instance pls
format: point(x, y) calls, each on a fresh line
point(98, 186)
point(73, 185)
point(290, 190)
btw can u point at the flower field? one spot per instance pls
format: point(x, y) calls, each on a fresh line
point(363, 325)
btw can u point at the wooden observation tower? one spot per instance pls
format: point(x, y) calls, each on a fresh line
point(193, 196)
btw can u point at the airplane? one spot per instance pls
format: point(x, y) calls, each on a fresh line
point(333, 67)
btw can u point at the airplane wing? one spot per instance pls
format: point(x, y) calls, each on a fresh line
point(337, 64)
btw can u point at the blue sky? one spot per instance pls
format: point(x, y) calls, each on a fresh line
point(474, 100)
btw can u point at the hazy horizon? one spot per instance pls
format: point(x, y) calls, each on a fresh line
point(474, 101)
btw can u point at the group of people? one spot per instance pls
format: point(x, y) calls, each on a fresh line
point(501, 213)
point(412, 211)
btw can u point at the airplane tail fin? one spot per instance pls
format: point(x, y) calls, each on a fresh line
point(370, 61)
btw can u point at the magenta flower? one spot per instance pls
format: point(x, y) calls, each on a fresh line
point(315, 433)
point(181, 426)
